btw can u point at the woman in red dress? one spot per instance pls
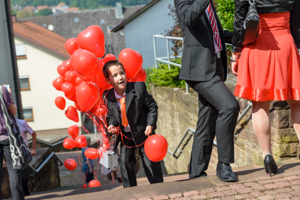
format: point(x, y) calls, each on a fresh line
point(268, 69)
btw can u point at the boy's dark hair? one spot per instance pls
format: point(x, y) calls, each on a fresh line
point(108, 65)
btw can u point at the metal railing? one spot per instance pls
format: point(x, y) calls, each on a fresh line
point(167, 59)
point(191, 132)
point(35, 171)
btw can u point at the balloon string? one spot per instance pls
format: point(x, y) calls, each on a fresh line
point(78, 156)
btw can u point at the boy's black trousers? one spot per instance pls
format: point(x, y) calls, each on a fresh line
point(127, 160)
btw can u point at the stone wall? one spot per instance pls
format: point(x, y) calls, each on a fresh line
point(178, 111)
point(46, 179)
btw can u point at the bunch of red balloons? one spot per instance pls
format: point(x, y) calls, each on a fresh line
point(82, 81)
point(81, 78)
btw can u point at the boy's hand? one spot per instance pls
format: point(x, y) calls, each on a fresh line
point(33, 152)
point(148, 130)
point(112, 129)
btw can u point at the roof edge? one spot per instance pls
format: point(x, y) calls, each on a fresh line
point(134, 15)
point(41, 45)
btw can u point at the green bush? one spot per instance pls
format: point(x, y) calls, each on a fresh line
point(163, 76)
point(225, 12)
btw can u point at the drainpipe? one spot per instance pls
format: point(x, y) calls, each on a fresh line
point(8, 62)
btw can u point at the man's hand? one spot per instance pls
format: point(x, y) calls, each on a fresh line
point(4, 164)
point(112, 129)
point(148, 130)
point(33, 152)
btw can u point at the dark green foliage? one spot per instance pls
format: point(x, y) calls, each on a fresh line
point(163, 76)
point(225, 11)
point(82, 4)
point(44, 12)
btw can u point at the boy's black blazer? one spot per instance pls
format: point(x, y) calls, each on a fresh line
point(141, 110)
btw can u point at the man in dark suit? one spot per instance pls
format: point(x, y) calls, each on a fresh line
point(134, 110)
point(204, 68)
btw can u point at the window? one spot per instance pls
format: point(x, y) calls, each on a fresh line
point(24, 83)
point(21, 51)
point(28, 114)
point(102, 21)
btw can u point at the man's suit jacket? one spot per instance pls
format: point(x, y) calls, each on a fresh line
point(141, 110)
point(199, 58)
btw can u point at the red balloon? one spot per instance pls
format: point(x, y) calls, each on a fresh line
point(72, 96)
point(71, 45)
point(57, 82)
point(76, 106)
point(109, 57)
point(94, 183)
point(78, 80)
point(156, 147)
point(60, 102)
point(92, 39)
point(69, 143)
point(103, 110)
point(68, 88)
point(68, 64)
point(81, 141)
point(70, 164)
point(72, 114)
point(101, 79)
point(140, 76)
point(131, 60)
point(70, 77)
point(84, 186)
point(87, 95)
point(73, 131)
point(85, 64)
point(91, 153)
point(61, 69)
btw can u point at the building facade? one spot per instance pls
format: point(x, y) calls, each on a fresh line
point(39, 52)
point(138, 30)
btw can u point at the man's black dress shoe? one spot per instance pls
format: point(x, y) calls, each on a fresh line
point(225, 173)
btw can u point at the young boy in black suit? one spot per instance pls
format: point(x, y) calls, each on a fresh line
point(134, 110)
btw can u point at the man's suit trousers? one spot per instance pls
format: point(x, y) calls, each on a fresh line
point(218, 112)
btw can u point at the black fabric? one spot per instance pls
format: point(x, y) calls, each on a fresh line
point(218, 112)
point(127, 161)
point(141, 111)
point(198, 59)
point(89, 177)
point(25, 182)
point(263, 7)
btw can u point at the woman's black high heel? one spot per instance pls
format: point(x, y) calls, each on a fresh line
point(270, 165)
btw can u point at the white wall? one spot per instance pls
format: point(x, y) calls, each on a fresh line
point(40, 66)
point(139, 32)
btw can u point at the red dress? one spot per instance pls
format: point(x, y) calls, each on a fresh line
point(269, 69)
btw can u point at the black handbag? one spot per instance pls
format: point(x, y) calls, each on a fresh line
point(251, 25)
point(20, 153)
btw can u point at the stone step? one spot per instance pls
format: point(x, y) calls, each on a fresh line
point(175, 184)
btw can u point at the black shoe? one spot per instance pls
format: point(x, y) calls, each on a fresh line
point(225, 173)
point(270, 165)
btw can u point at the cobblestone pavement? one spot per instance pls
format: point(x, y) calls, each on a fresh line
point(76, 177)
point(253, 184)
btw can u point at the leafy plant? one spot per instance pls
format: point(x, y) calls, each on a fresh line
point(225, 11)
point(163, 76)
